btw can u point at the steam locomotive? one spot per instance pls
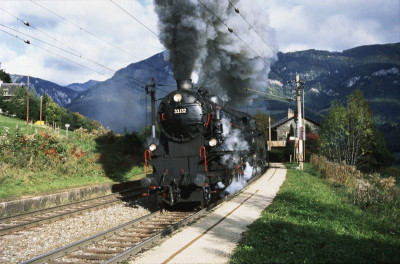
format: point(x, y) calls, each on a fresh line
point(203, 147)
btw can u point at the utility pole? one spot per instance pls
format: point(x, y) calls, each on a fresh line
point(304, 128)
point(27, 103)
point(41, 101)
point(299, 87)
point(269, 133)
point(153, 108)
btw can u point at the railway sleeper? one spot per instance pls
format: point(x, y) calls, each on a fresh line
point(89, 257)
point(137, 235)
point(147, 230)
point(103, 251)
point(65, 262)
point(127, 240)
point(163, 221)
point(123, 240)
point(155, 225)
point(118, 245)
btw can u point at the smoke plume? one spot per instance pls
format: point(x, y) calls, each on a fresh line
point(196, 36)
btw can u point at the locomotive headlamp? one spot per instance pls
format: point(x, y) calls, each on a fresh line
point(152, 147)
point(177, 97)
point(212, 142)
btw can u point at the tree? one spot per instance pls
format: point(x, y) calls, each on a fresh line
point(312, 144)
point(262, 121)
point(347, 133)
point(5, 77)
point(380, 156)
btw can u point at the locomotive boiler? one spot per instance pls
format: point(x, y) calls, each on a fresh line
point(203, 146)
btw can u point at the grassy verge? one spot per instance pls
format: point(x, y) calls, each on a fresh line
point(38, 160)
point(313, 221)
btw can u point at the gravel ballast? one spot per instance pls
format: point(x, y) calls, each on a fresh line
point(24, 245)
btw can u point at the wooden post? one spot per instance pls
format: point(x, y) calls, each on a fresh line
point(41, 100)
point(269, 132)
point(27, 103)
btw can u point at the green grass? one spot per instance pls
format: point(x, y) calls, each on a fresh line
point(40, 160)
point(312, 221)
point(10, 125)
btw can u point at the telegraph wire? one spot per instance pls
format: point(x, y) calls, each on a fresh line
point(99, 38)
point(237, 11)
point(71, 53)
point(232, 31)
point(76, 55)
point(54, 46)
point(26, 23)
point(49, 51)
point(277, 96)
point(46, 50)
point(137, 20)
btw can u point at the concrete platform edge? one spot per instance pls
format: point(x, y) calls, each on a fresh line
point(14, 207)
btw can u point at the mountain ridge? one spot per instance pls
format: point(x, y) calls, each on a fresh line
point(121, 102)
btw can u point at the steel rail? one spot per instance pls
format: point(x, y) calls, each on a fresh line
point(147, 242)
point(35, 218)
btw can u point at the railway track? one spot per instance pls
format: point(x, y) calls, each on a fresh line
point(119, 243)
point(122, 242)
point(24, 221)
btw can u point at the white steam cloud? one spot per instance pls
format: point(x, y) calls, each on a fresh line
point(196, 36)
point(239, 182)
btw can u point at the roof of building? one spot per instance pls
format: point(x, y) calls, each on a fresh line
point(286, 119)
point(11, 87)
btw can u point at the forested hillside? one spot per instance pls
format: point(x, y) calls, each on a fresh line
point(374, 69)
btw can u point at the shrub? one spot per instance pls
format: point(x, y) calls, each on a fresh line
point(369, 191)
point(339, 173)
point(392, 171)
point(375, 192)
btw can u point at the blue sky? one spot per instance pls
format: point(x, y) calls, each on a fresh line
point(78, 40)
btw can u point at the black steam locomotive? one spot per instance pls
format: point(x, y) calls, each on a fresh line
point(203, 147)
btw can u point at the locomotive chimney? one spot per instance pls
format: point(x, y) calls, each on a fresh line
point(185, 84)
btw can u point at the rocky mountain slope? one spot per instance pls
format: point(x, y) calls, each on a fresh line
point(120, 102)
point(60, 94)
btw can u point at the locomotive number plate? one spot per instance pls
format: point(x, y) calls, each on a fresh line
point(180, 110)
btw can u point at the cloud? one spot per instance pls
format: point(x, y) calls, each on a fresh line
point(82, 35)
point(333, 25)
point(298, 25)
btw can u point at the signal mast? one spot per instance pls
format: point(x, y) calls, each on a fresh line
point(299, 87)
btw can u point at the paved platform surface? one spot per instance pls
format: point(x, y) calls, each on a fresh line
point(213, 238)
